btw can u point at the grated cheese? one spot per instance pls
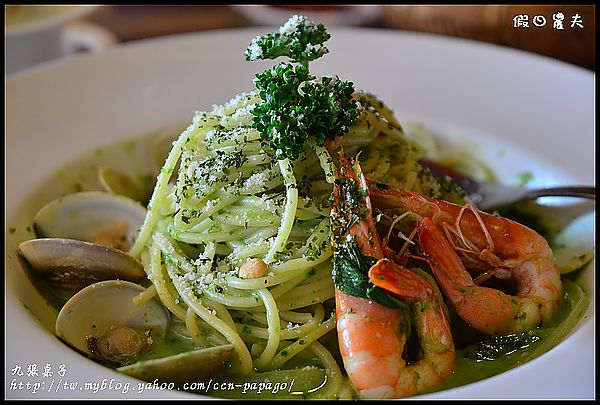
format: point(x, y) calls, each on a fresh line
point(255, 50)
point(291, 25)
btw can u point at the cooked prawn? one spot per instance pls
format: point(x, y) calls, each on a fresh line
point(371, 336)
point(456, 238)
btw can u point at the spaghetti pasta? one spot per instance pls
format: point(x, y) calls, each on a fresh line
point(231, 200)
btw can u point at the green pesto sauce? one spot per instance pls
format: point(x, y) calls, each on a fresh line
point(173, 343)
point(304, 378)
point(307, 378)
point(524, 178)
point(469, 370)
point(308, 381)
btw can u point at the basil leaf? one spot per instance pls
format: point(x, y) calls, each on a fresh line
point(498, 346)
point(351, 275)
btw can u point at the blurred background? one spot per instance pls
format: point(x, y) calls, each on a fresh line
point(562, 31)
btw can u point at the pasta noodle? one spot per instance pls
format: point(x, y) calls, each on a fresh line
point(231, 200)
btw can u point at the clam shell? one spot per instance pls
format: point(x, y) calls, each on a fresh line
point(196, 365)
point(70, 264)
point(576, 245)
point(106, 305)
point(163, 143)
point(116, 182)
point(83, 215)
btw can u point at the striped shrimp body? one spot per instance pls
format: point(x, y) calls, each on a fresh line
point(457, 238)
point(372, 337)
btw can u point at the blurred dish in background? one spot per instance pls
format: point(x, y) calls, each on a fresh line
point(23, 15)
point(326, 14)
point(494, 23)
point(488, 23)
point(36, 34)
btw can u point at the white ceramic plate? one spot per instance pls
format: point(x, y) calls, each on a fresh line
point(522, 112)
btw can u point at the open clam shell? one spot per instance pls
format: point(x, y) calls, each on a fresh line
point(163, 143)
point(105, 307)
point(69, 264)
point(116, 182)
point(575, 245)
point(91, 216)
point(195, 365)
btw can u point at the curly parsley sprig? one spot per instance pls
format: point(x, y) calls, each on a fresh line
point(297, 106)
point(299, 39)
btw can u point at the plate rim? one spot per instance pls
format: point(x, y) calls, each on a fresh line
point(177, 37)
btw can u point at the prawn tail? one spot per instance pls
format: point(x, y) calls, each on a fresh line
point(399, 280)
